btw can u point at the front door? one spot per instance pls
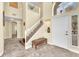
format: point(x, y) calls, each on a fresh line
point(14, 30)
point(60, 30)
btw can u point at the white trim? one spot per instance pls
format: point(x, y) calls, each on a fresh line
point(1, 53)
point(75, 51)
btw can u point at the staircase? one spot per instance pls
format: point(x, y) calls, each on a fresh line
point(32, 32)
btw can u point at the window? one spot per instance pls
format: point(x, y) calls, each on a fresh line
point(66, 7)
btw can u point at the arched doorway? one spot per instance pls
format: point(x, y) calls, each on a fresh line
point(54, 8)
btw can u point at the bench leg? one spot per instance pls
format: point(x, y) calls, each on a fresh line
point(46, 42)
point(35, 47)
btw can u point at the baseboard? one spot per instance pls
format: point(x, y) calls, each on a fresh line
point(27, 47)
point(72, 50)
point(1, 53)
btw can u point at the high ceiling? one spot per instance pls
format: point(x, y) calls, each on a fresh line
point(37, 3)
point(55, 7)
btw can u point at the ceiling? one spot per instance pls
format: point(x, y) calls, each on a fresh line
point(37, 3)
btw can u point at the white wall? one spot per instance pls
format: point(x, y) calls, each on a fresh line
point(13, 12)
point(1, 30)
point(24, 18)
point(14, 27)
point(8, 29)
point(19, 29)
point(32, 18)
point(47, 10)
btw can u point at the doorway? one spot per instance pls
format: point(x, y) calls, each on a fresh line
point(74, 30)
point(14, 30)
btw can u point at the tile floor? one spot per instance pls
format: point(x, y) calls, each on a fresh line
point(14, 49)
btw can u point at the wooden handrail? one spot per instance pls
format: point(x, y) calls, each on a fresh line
point(31, 34)
point(34, 31)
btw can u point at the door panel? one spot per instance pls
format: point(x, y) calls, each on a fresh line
point(74, 24)
point(60, 30)
point(14, 30)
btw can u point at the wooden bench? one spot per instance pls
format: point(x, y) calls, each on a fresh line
point(37, 42)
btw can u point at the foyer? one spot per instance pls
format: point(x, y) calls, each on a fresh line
point(24, 22)
point(18, 50)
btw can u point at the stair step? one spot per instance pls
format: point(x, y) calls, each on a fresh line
point(22, 42)
point(34, 31)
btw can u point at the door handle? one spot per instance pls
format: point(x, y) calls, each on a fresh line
point(66, 33)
